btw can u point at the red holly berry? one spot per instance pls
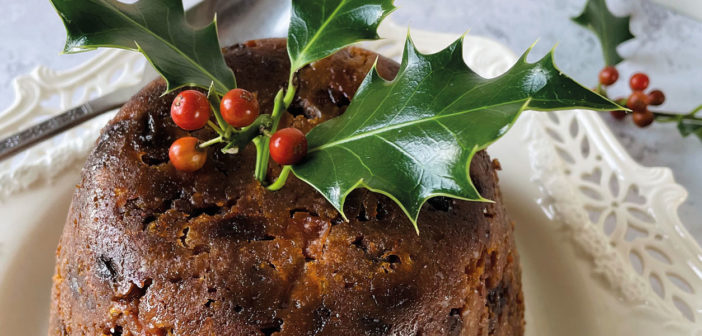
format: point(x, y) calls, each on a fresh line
point(239, 108)
point(637, 102)
point(190, 110)
point(609, 75)
point(288, 146)
point(186, 155)
point(656, 97)
point(638, 81)
point(618, 114)
point(642, 118)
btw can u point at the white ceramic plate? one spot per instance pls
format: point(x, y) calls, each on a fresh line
point(692, 8)
point(602, 249)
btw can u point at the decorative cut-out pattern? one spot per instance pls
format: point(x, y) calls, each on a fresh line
point(621, 214)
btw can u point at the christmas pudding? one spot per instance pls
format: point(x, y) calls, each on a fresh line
point(151, 250)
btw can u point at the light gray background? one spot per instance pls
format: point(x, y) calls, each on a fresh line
point(668, 46)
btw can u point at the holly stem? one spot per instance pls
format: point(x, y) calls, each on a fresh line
point(262, 155)
point(662, 116)
point(224, 128)
point(257, 141)
point(282, 178)
point(282, 101)
point(215, 127)
point(239, 139)
point(600, 89)
point(672, 117)
point(676, 117)
point(211, 142)
point(290, 92)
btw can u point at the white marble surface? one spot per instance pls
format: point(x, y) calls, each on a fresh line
point(668, 47)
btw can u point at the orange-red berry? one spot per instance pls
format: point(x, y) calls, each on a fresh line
point(638, 81)
point(190, 110)
point(186, 154)
point(288, 146)
point(642, 118)
point(656, 97)
point(618, 114)
point(609, 75)
point(239, 108)
point(637, 101)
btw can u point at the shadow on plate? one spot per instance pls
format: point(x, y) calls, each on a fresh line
point(27, 284)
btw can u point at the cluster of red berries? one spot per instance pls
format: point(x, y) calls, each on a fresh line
point(638, 101)
point(239, 108)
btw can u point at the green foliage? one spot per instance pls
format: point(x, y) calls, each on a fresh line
point(413, 138)
point(157, 28)
point(610, 30)
point(689, 124)
point(319, 28)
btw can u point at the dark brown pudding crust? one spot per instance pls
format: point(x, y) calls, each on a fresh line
point(148, 250)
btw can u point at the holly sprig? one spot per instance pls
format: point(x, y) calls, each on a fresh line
point(411, 138)
point(611, 31)
point(688, 124)
point(319, 28)
point(184, 56)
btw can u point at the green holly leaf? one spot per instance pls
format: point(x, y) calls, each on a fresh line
point(687, 127)
point(413, 138)
point(689, 124)
point(157, 28)
point(319, 28)
point(610, 30)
